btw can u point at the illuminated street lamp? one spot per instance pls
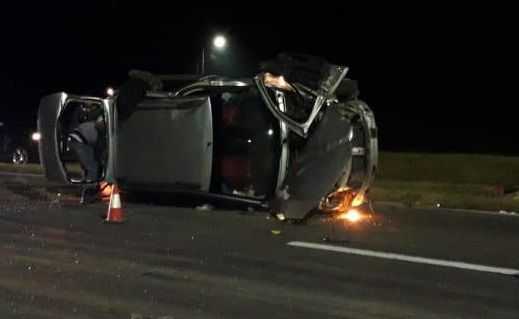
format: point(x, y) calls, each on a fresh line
point(110, 91)
point(219, 42)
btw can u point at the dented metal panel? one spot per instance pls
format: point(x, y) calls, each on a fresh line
point(324, 158)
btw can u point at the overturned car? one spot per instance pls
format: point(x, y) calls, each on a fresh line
point(292, 139)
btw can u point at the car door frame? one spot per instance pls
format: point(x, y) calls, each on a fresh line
point(49, 114)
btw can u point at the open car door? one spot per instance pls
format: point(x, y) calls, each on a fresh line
point(309, 109)
point(58, 114)
point(325, 158)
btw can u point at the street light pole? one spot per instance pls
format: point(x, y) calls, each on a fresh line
point(219, 42)
point(202, 67)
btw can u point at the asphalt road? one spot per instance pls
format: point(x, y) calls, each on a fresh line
point(59, 261)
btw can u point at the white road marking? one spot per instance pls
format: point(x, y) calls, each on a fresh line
point(20, 174)
point(484, 212)
point(413, 259)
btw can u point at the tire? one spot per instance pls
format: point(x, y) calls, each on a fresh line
point(18, 155)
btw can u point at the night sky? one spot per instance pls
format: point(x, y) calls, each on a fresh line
point(439, 77)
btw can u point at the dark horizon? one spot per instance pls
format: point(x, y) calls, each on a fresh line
point(437, 78)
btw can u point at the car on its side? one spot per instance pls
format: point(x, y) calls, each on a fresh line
point(293, 138)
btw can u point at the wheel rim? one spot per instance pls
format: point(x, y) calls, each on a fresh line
point(338, 200)
point(19, 156)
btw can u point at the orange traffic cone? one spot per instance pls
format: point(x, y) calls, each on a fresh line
point(115, 211)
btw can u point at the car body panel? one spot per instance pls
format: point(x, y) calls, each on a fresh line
point(48, 114)
point(167, 141)
point(324, 159)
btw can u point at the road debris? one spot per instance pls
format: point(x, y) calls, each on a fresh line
point(504, 212)
point(327, 239)
point(141, 316)
point(205, 207)
point(280, 216)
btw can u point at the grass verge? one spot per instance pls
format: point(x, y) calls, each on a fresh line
point(466, 181)
point(28, 168)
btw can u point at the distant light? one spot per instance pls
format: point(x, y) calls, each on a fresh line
point(36, 136)
point(270, 132)
point(249, 141)
point(219, 41)
point(110, 91)
point(352, 215)
point(280, 216)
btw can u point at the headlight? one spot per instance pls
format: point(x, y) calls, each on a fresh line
point(277, 82)
point(36, 136)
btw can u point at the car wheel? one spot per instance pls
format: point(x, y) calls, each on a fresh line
point(337, 201)
point(19, 156)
